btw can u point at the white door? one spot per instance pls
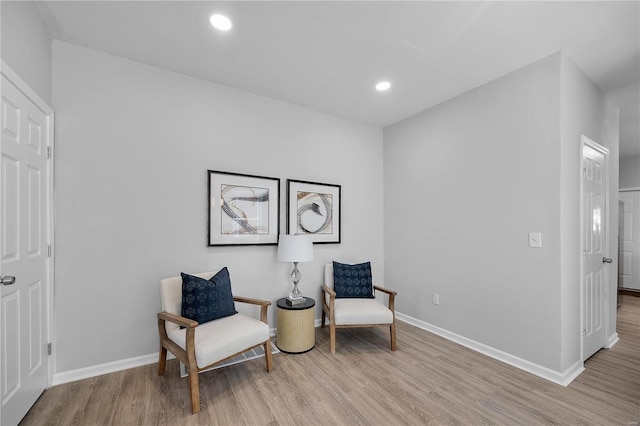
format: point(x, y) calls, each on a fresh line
point(24, 213)
point(594, 241)
point(629, 249)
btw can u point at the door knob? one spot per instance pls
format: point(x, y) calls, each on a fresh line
point(607, 260)
point(8, 280)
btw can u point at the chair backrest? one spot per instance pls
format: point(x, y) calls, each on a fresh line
point(328, 279)
point(328, 275)
point(171, 295)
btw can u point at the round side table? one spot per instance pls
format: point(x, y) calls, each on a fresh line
point(296, 332)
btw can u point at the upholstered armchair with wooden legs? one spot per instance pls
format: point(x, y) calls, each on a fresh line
point(355, 312)
point(201, 346)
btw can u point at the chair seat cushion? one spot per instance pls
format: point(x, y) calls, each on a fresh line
point(361, 311)
point(221, 338)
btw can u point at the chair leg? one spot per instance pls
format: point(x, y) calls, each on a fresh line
point(324, 317)
point(392, 329)
point(194, 389)
point(268, 356)
point(162, 360)
point(332, 337)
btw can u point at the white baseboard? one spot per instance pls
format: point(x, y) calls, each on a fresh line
point(99, 370)
point(561, 378)
point(613, 339)
point(112, 367)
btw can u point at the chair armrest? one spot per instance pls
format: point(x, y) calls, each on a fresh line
point(392, 295)
point(264, 304)
point(187, 355)
point(384, 290)
point(325, 289)
point(252, 301)
point(328, 308)
point(177, 319)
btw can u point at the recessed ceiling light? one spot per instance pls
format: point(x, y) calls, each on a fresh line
point(220, 22)
point(383, 85)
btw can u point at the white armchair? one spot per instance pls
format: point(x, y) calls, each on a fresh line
point(200, 346)
point(350, 313)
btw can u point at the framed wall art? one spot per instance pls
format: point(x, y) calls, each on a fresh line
point(314, 208)
point(243, 209)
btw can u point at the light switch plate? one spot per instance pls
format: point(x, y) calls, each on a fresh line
point(535, 239)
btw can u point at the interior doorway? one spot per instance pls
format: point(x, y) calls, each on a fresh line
point(629, 240)
point(595, 232)
point(26, 238)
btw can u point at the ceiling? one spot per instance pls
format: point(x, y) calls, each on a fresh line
point(328, 55)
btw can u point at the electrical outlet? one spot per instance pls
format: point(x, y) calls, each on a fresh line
point(535, 239)
point(436, 299)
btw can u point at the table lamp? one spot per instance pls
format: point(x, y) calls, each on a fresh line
point(295, 248)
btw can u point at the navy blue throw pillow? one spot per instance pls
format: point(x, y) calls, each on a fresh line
point(352, 281)
point(206, 300)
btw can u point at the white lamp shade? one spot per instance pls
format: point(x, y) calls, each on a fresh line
point(295, 248)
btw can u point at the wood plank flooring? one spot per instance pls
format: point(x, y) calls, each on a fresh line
point(429, 380)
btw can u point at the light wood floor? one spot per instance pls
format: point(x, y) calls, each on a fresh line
point(429, 380)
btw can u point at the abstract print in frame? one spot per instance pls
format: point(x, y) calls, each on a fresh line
point(243, 209)
point(314, 208)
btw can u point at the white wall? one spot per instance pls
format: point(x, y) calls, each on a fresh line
point(26, 45)
point(630, 172)
point(585, 111)
point(465, 182)
point(134, 144)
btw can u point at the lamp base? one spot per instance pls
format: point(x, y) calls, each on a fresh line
point(295, 276)
point(295, 302)
point(295, 296)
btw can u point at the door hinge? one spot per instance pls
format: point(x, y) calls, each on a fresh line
point(49, 348)
point(48, 250)
point(49, 153)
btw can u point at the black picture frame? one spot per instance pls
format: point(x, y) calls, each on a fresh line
point(315, 209)
point(242, 209)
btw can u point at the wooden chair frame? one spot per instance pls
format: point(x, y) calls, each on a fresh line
point(329, 310)
point(188, 356)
